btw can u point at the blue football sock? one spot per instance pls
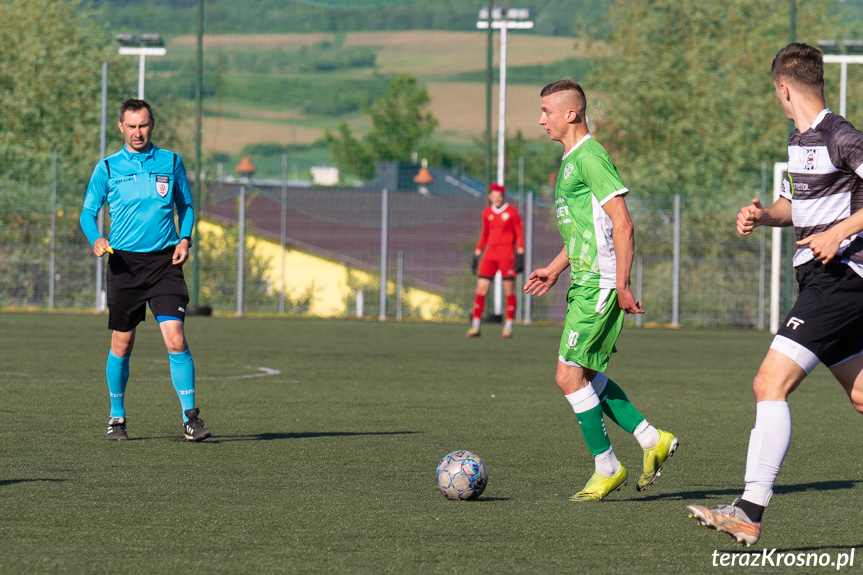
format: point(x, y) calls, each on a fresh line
point(183, 377)
point(117, 372)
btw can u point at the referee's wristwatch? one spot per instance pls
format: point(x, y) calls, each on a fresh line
point(188, 239)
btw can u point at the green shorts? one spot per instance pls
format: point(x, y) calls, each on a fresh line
point(591, 328)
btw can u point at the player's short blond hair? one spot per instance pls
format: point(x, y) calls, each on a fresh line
point(567, 85)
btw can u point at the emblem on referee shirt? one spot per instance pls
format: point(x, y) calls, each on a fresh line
point(162, 185)
point(811, 157)
point(567, 171)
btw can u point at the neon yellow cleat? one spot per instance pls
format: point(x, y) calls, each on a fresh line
point(601, 485)
point(471, 333)
point(655, 457)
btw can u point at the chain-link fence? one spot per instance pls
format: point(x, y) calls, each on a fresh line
point(336, 101)
point(318, 251)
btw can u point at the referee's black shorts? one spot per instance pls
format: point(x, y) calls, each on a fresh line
point(827, 318)
point(135, 279)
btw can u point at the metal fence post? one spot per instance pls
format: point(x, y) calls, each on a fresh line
point(762, 253)
point(639, 285)
point(53, 254)
point(241, 248)
point(675, 280)
point(284, 232)
point(384, 255)
point(528, 251)
point(400, 281)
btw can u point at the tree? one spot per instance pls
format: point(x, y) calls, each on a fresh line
point(50, 84)
point(400, 124)
point(687, 107)
point(51, 56)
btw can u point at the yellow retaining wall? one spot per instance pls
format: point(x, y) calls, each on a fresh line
point(327, 278)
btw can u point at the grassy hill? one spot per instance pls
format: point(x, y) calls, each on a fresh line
point(287, 89)
point(552, 17)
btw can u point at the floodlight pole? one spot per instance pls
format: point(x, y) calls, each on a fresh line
point(502, 19)
point(100, 218)
point(514, 18)
point(142, 52)
point(199, 179)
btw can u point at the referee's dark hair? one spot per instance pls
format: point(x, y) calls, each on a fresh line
point(135, 105)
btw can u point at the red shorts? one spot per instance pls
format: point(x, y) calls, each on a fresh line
point(492, 263)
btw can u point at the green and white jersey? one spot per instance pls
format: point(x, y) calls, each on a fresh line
point(587, 179)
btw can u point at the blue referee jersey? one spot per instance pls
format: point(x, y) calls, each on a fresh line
point(142, 191)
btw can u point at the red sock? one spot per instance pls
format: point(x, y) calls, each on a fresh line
point(478, 305)
point(510, 307)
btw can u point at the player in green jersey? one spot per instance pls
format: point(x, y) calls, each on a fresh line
point(599, 244)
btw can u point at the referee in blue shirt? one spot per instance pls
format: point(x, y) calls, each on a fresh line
point(142, 185)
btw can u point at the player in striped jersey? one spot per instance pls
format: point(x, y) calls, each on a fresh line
point(598, 246)
point(822, 198)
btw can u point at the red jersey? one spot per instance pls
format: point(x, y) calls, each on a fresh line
point(502, 231)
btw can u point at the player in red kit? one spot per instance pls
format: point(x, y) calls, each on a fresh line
point(502, 238)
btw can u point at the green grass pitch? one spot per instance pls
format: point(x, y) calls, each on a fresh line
point(328, 465)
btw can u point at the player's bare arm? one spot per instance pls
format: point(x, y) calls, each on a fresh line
point(623, 236)
point(542, 279)
point(750, 217)
point(825, 245)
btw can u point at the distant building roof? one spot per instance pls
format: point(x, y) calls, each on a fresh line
point(399, 177)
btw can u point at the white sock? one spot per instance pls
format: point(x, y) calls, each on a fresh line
point(768, 445)
point(583, 399)
point(646, 435)
point(508, 325)
point(475, 323)
point(606, 463)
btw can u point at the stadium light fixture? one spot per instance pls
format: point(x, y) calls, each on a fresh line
point(142, 46)
point(854, 46)
point(829, 46)
point(853, 55)
point(502, 19)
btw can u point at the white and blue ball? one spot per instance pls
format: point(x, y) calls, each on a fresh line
point(462, 475)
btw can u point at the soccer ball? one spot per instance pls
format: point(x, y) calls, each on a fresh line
point(462, 475)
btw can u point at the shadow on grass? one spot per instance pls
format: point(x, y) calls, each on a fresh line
point(302, 435)
point(267, 436)
point(4, 482)
point(836, 485)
